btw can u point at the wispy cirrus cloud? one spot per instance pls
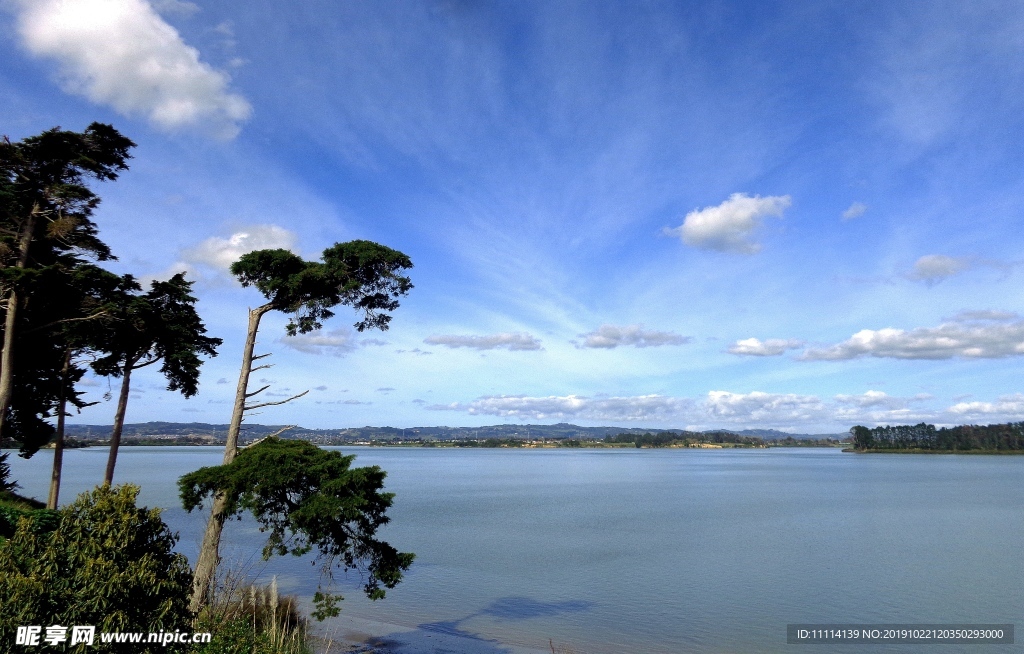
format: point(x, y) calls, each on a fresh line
point(517, 341)
point(612, 336)
point(123, 54)
point(988, 335)
point(770, 347)
point(855, 210)
point(732, 225)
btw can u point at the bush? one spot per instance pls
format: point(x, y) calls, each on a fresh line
point(249, 619)
point(108, 563)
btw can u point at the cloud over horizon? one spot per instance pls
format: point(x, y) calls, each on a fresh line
point(985, 338)
point(611, 336)
point(123, 54)
point(730, 226)
point(517, 341)
point(767, 348)
point(725, 409)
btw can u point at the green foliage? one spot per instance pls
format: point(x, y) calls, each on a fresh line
point(248, 619)
point(670, 438)
point(44, 177)
point(7, 484)
point(965, 438)
point(308, 498)
point(360, 274)
point(159, 325)
point(108, 563)
point(40, 521)
point(68, 307)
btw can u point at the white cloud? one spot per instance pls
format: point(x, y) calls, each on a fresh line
point(855, 210)
point(933, 268)
point(757, 409)
point(644, 407)
point(763, 408)
point(768, 348)
point(611, 336)
point(219, 253)
point(123, 54)
point(337, 342)
point(1006, 408)
point(730, 226)
point(507, 341)
point(976, 339)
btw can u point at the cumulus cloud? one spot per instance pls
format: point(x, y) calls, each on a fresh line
point(123, 54)
point(855, 210)
point(933, 268)
point(1006, 408)
point(611, 336)
point(644, 407)
point(506, 341)
point(216, 254)
point(730, 226)
point(968, 339)
point(763, 408)
point(767, 348)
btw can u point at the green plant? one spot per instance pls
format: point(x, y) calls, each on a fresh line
point(108, 564)
point(248, 619)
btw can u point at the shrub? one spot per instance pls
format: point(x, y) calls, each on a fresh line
point(108, 563)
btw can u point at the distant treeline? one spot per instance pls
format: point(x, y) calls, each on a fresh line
point(669, 439)
point(1005, 437)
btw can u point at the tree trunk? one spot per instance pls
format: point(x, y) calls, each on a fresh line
point(209, 552)
point(115, 435)
point(13, 301)
point(58, 445)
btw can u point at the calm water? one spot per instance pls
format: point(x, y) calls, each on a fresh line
point(656, 550)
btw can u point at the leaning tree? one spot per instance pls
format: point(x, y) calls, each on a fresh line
point(361, 274)
point(45, 211)
point(160, 325)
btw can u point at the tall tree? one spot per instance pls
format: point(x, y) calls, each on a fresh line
point(160, 325)
point(73, 311)
point(361, 274)
point(65, 302)
point(45, 211)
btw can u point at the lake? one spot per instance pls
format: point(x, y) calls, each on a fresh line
point(660, 551)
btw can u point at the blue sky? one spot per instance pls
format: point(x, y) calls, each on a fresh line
point(796, 215)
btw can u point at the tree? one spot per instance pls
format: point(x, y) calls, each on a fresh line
point(108, 564)
point(159, 326)
point(308, 498)
point(45, 211)
point(360, 274)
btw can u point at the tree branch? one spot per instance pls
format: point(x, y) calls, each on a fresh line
point(262, 356)
point(263, 404)
point(257, 392)
point(265, 365)
point(274, 435)
point(94, 316)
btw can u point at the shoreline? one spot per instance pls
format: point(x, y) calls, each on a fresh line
point(355, 635)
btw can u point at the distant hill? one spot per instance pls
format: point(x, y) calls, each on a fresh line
point(776, 435)
point(214, 433)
